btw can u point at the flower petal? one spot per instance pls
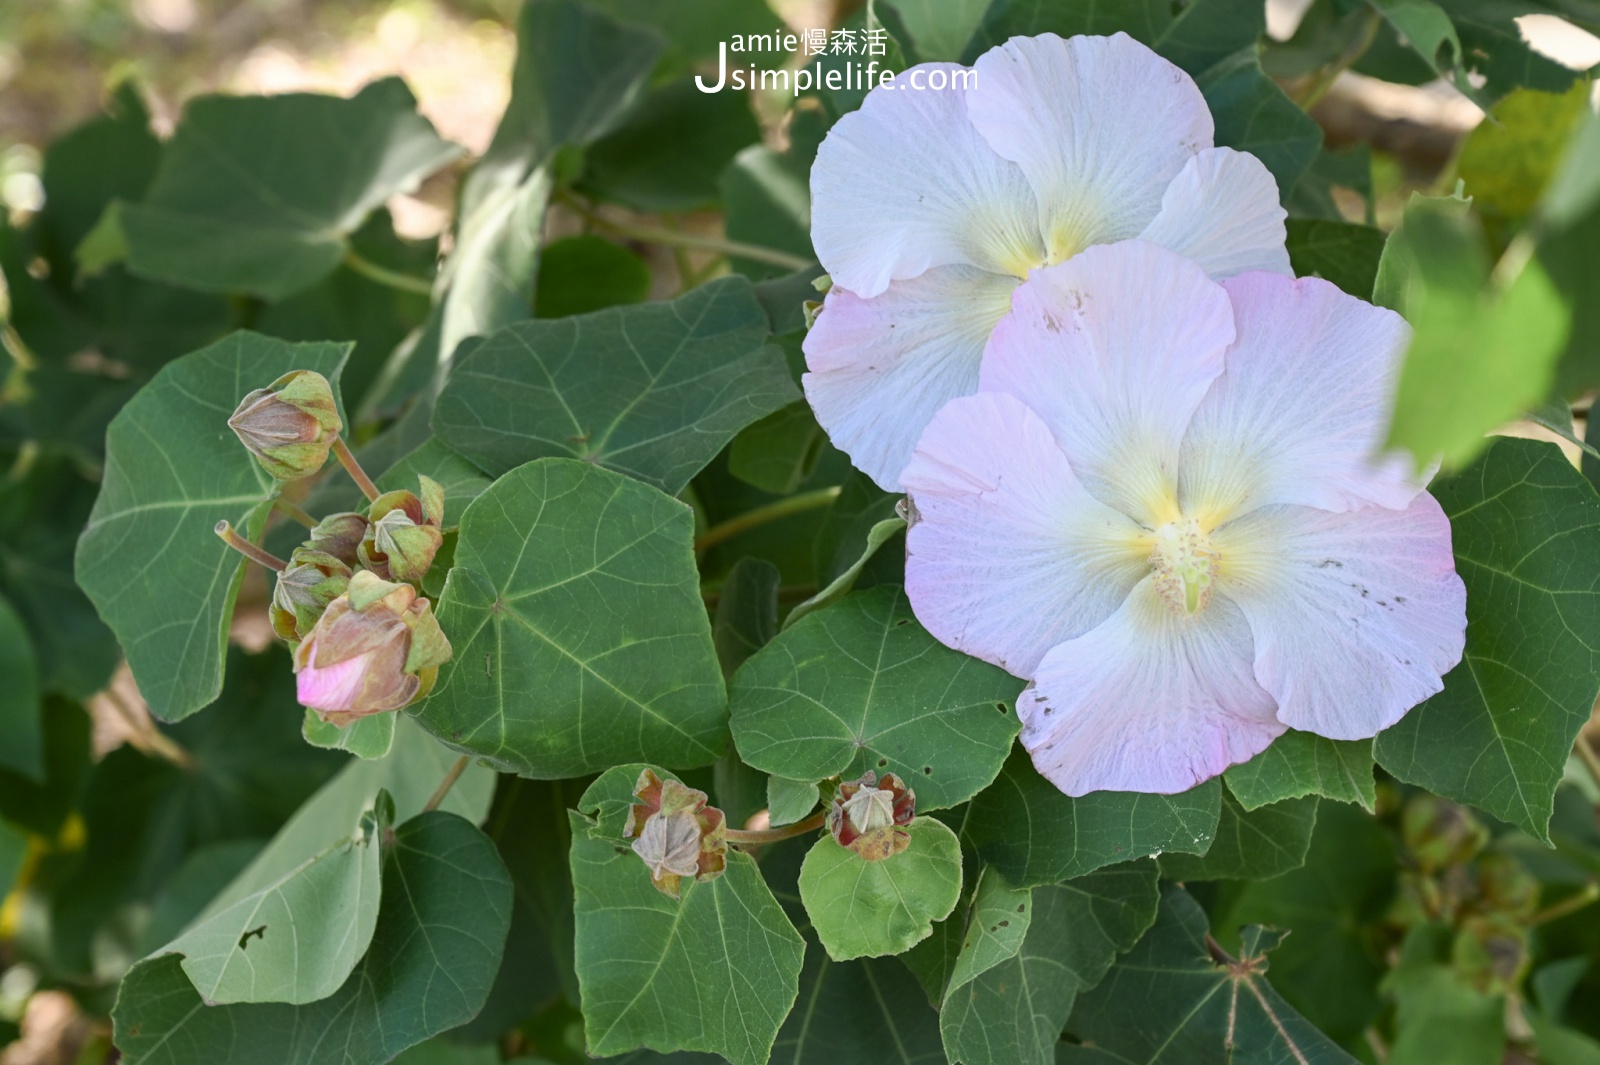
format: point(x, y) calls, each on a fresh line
point(1100, 126)
point(1114, 349)
point(1008, 555)
point(1150, 700)
point(1222, 211)
point(881, 367)
point(333, 687)
point(1357, 616)
point(905, 183)
point(1304, 405)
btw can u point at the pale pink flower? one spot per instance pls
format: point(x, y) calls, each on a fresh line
point(930, 206)
point(1163, 508)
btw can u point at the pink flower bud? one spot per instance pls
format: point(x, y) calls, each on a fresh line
point(313, 580)
point(339, 535)
point(869, 816)
point(289, 425)
point(675, 833)
point(378, 647)
point(405, 533)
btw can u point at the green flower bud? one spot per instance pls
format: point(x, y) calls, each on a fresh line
point(313, 580)
point(340, 535)
point(869, 816)
point(1507, 885)
point(290, 425)
point(1490, 952)
point(1438, 833)
point(405, 533)
point(378, 647)
point(675, 833)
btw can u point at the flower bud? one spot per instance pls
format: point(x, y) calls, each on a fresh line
point(377, 647)
point(405, 533)
point(1439, 833)
point(289, 425)
point(675, 833)
point(1490, 952)
point(313, 580)
point(1506, 885)
point(340, 535)
point(869, 816)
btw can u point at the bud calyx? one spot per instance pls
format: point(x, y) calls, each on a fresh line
point(290, 425)
point(675, 833)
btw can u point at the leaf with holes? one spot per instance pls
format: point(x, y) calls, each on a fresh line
point(580, 637)
point(1251, 845)
point(863, 909)
point(861, 685)
point(653, 390)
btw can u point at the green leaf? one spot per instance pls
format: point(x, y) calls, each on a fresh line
point(1142, 20)
point(1034, 835)
point(296, 939)
point(447, 902)
point(1204, 33)
point(845, 539)
point(1342, 252)
point(13, 854)
point(579, 275)
point(695, 28)
point(996, 924)
point(864, 1012)
point(863, 909)
point(1424, 27)
point(747, 612)
point(766, 197)
point(1253, 115)
point(1439, 1016)
point(544, 685)
point(716, 970)
point(1329, 968)
point(1173, 990)
point(1493, 42)
point(789, 801)
point(1315, 195)
point(258, 194)
point(149, 559)
point(21, 732)
point(1012, 1013)
point(939, 29)
point(653, 391)
point(367, 737)
point(1301, 763)
point(778, 453)
point(836, 589)
point(1523, 522)
point(1506, 165)
point(43, 807)
point(1251, 845)
point(1480, 354)
point(862, 686)
point(668, 155)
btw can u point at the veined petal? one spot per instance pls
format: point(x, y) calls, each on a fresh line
point(1222, 211)
point(1009, 555)
point(1357, 616)
point(1115, 349)
point(905, 183)
point(1150, 700)
point(1303, 407)
point(1100, 126)
point(333, 687)
point(881, 367)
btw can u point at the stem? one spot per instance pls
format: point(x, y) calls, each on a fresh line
point(288, 509)
point(385, 276)
point(745, 837)
point(1590, 760)
point(1324, 79)
point(752, 519)
point(146, 736)
point(248, 549)
point(446, 784)
point(1570, 904)
point(720, 245)
point(347, 459)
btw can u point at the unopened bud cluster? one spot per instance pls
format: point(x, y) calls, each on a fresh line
point(869, 816)
point(347, 601)
point(675, 833)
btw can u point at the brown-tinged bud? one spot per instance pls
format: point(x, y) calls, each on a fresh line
point(313, 580)
point(289, 425)
point(1438, 833)
point(340, 535)
point(1506, 885)
point(405, 533)
point(1491, 952)
point(869, 816)
point(377, 647)
point(675, 833)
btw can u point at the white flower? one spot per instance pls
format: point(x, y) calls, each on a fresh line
point(930, 206)
point(1163, 508)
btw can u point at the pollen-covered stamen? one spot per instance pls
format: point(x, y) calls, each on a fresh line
point(1185, 565)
